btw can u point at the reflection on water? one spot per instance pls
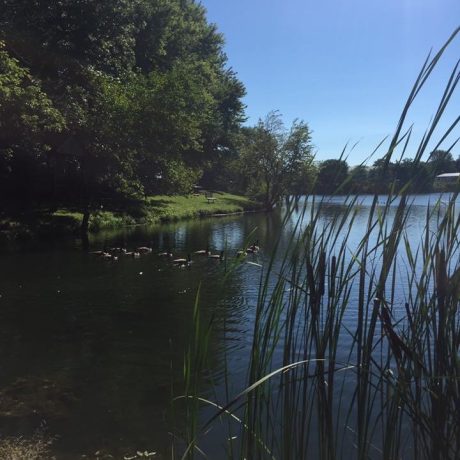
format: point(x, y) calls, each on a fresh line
point(95, 348)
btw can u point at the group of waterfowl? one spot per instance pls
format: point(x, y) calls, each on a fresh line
point(113, 254)
point(183, 262)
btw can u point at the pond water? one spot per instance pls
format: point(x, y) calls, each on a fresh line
point(94, 348)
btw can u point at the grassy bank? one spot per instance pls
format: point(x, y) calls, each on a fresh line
point(168, 208)
point(157, 209)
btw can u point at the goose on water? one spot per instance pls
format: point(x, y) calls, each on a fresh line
point(181, 262)
point(217, 256)
point(203, 252)
point(254, 248)
point(144, 250)
point(119, 250)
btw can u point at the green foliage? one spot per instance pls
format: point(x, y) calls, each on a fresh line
point(28, 118)
point(103, 220)
point(111, 96)
point(332, 175)
point(300, 171)
point(275, 162)
point(440, 162)
point(178, 178)
point(383, 176)
point(66, 35)
point(26, 112)
point(359, 180)
point(154, 209)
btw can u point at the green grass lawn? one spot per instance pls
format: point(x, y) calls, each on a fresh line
point(160, 208)
point(166, 208)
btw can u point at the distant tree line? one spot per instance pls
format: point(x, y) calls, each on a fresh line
point(415, 177)
point(270, 164)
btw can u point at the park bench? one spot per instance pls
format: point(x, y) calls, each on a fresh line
point(209, 197)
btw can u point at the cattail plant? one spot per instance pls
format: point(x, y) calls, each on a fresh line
point(387, 387)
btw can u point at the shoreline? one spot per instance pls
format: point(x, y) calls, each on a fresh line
point(248, 211)
point(161, 209)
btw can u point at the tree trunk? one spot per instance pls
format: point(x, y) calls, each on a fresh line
point(268, 200)
point(85, 223)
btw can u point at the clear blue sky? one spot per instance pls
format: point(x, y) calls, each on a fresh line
point(344, 66)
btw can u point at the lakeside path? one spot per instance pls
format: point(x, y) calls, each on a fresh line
point(157, 209)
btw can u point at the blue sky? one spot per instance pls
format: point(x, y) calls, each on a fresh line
point(345, 67)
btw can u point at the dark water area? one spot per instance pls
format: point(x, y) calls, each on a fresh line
point(94, 348)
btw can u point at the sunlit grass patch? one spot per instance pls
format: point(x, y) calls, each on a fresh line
point(164, 207)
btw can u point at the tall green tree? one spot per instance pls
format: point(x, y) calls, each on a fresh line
point(276, 161)
point(300, 174)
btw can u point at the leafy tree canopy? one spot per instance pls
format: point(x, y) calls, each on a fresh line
point(332, 176)
point(124, 93)
point(277, 161)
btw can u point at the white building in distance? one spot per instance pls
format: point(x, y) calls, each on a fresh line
point(447, 182)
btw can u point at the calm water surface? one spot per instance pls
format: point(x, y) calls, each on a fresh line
point(92, 348)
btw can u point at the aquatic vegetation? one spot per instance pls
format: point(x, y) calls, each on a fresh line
point(387, 388)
